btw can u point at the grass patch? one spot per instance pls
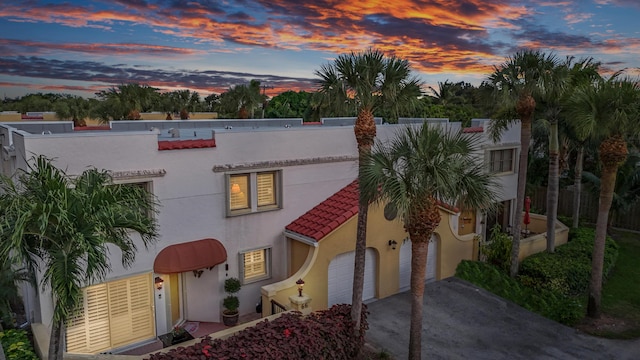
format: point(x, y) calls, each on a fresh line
point(621, 293)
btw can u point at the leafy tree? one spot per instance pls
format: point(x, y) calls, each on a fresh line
point(126, 101)
point(371, 80)
point(36, 102)
point(289, 104)
point(415, 172)
point(607, 112)
point(65, 224)
point(513, 86)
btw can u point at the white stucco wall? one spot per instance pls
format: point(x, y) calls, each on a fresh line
point(192, 194)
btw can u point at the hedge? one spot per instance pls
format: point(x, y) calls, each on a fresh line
point(548, 303)
point(568, 269)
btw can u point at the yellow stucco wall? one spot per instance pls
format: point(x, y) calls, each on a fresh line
point(297, 254)
point(451, 249)
point(537, 241)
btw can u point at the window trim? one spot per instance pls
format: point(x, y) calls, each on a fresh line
point(514, 157)
point(253, 192)
point(148, 184)
point(267, 266)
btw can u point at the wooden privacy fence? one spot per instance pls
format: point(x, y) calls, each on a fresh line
point(588, 208)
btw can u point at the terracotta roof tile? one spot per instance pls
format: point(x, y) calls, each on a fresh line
point(333, 212)
point(91, 128)
point(186, 144)
point(328, 215)
point(477, 129)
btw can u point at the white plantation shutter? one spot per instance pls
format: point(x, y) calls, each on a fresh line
point(114, 314)
point(254, 264)
point(142, 315)
point(266, 189)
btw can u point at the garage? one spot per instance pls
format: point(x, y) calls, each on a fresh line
point(340, 278)
point(405, 262)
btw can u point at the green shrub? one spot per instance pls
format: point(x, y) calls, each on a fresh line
point(568, 270)
point(497, 251)
point(16, 345)
point(550, 304)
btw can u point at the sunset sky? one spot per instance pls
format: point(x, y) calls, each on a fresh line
point(81, 47)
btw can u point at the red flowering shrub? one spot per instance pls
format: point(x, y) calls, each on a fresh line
point(326, 334)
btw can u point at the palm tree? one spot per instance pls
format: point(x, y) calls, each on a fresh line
point(565, 77)
point(514, 84)
point(627, 188)
point(371, 80)
point(71, 107)
point(65, 225)
point(416, 171)
point(241, 101)
point(10, 276)
point(607, 112)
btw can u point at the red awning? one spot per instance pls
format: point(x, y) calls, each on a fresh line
point(190, 256)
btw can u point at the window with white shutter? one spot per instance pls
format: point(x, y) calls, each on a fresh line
point(266, 189)
point(253, 192)
point(255, 265)
point(112, 315)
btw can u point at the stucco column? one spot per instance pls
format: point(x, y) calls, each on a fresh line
point(301, 303)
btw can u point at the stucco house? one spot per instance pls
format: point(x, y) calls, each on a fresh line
point(268, 201)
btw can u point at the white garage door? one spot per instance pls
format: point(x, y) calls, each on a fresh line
point(341, 278)
point(405, 262)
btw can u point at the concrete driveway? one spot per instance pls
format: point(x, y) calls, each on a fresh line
point(464, 322)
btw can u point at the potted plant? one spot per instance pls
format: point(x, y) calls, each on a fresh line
point(179, 334)
point(231, 303)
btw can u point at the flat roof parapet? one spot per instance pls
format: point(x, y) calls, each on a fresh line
point(142, 125)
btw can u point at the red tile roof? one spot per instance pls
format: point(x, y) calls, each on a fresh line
point(477, 129)
point(328, 215)
point(186, 144)
point(335, 211)
point(88, 128)
point(312, 123)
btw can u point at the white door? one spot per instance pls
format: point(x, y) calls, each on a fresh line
point(405, 262)
point(341, 278)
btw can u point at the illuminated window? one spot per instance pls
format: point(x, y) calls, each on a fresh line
point(253, 192)
point(255, 265)
point(501, 160)
point(239, 192)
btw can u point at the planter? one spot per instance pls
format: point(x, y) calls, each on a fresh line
point(230, 319)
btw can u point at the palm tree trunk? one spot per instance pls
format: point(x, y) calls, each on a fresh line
point(359, 265)
point(365, 132)
point(607, 185)
point(552, 187)
point(55, 343)
point(419, 252)
point(577, 187)
point(525, 139)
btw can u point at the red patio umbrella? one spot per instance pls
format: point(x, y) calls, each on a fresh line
point(527, 207)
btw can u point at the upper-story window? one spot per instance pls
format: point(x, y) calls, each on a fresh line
point(253, 192)
point(501, 161)
point(147, 186)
